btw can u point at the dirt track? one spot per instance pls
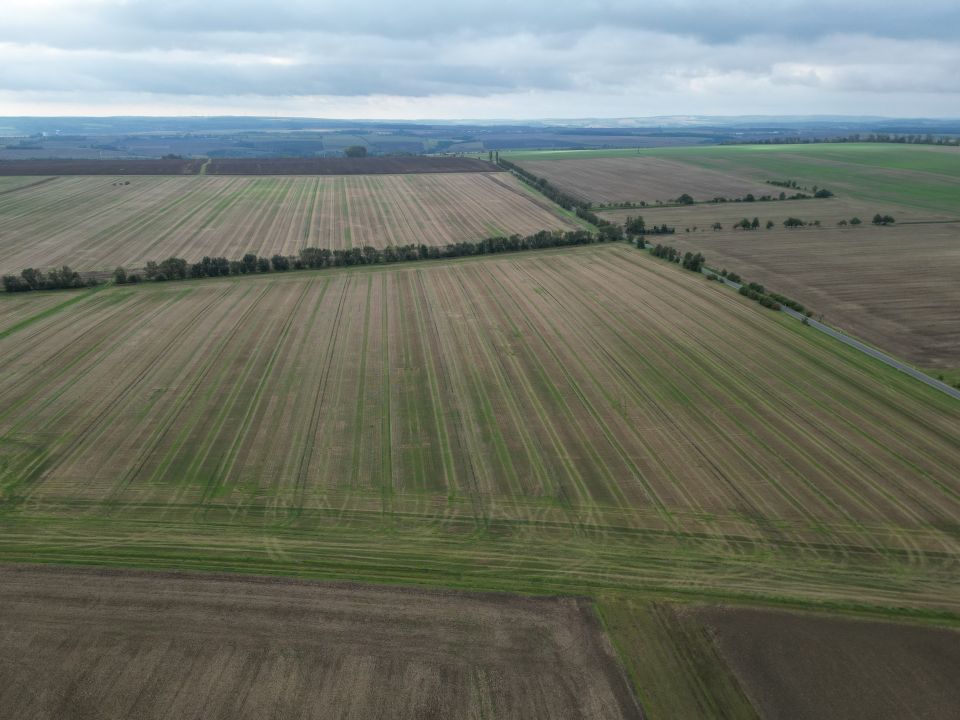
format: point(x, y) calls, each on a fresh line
point(127, 644)
point(798, 666)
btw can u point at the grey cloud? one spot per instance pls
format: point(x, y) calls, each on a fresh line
point(178, 23)
point(710, 20)
point(608, 48)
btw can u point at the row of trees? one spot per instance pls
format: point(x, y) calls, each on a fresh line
point(310, 257)
point(818, 192)
point(581, 208)
point(567, 202)
point(689, 261)
point(755, 291)
point(904, 138)
point(638, 226)
point(792, 222)
point(768, 299)
point(57, 279)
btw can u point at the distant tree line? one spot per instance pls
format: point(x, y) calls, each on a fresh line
point(900, 138)
point(33, 279)
point(685, 199)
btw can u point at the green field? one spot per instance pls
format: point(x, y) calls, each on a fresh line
point(919, 177)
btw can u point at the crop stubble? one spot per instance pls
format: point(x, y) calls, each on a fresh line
point(91, 223)
point(593, 389)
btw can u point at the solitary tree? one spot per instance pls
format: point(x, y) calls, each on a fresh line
point(356, 151)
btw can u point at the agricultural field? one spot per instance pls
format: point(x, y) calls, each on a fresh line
point(639, 178)
point(98, 223)
point(120, 166)
point(206, 647)
point(894, 287)
point(923, 178)
point(802, 666)
point(347, 166)
point(17, 184)
point(558, 421)
point(692, 660)
point(829, 211)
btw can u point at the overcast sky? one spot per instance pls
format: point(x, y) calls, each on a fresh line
point(482, 59)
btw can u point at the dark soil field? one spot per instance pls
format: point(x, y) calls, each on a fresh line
point(635, 179)
point(798, 666)
point(128, 644)
point(100, 167)
point(348, 166)
point(250, 166)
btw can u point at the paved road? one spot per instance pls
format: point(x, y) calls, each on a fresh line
point(853, 342)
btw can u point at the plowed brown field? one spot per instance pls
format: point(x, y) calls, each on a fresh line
point(632, 179)
point(85, 644)
point(93, 223)
point(797, 666)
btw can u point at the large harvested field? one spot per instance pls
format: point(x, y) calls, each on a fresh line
point(568, 420)
point(797, 666)
point(924, 178)
point(93, 644)
point(96, 223)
